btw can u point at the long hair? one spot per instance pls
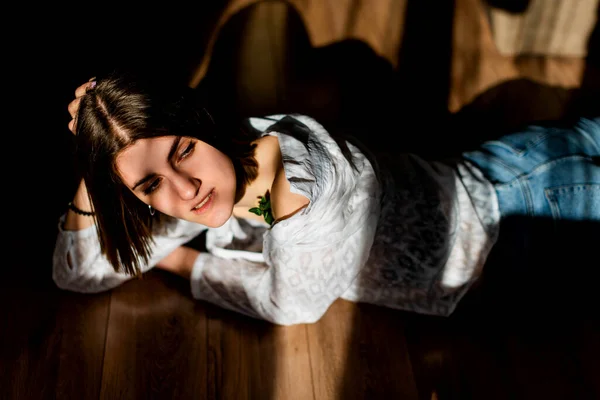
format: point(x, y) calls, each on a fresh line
point(125, 107)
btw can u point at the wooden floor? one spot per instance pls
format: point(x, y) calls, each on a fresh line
point(149, 340)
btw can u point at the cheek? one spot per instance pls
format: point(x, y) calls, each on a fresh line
point(221, 170)
point(228, 168)
point(226, 182)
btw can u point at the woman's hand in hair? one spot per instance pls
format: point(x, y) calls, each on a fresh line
point(74, 105)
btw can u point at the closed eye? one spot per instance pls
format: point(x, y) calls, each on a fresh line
point(155, 183)
point(152, 186)
point(189, 149)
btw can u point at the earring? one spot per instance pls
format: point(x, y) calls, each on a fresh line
point(151, 209)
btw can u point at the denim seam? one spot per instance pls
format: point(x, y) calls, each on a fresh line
point(534, 143)
point(517, 178)
point(551, 199)
point(527, 194)
point(501, 162)
point(529, 145)
point(580, 186)
point(541, 167)
point(548, 164)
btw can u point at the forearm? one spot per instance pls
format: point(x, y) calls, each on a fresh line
point(74, 221)
point(180, 261)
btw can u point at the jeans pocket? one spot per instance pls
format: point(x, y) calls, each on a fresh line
point(578, 202)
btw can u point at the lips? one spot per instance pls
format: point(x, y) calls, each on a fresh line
point(204, 202)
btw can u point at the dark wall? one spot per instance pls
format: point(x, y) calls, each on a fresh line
point(49, 51)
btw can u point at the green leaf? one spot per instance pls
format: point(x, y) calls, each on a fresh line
point(256, 210)
point(265, 206)
point(268, 218)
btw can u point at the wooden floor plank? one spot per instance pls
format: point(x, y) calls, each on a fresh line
point(81, 320)
point(51, 341)
point(31, 342)
point(359, 352)
point(250, 359)
point(156, 341)
point(292, 373)
point(329, 341)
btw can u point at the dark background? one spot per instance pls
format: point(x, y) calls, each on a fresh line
point(51, 50)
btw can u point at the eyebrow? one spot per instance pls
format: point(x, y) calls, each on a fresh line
point(172, 151)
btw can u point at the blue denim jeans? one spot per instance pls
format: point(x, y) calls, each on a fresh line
point(545, 172)
point(548, 185)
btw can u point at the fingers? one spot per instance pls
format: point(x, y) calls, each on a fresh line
point(72, 126)
point(73, 107)
point(80, 91)
point(74, 104)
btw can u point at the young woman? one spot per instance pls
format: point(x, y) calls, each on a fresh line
point(294, 217)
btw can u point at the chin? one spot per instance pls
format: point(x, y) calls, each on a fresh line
point(219, 218)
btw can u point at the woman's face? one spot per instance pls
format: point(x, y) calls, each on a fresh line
point(181, 177)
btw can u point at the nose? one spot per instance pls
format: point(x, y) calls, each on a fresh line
point(187, 187)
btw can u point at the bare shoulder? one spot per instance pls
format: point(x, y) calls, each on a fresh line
point(284, 203)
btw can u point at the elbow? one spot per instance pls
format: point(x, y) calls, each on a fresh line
point(295, 317)
point(63, 272)
point(62, 276)
point(64, 284)
point(80, 284)
point(292, 310)
point(284, 321)
point(67, 279)
point(64, 281)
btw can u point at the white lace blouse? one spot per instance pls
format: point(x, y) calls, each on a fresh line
point(410, 235)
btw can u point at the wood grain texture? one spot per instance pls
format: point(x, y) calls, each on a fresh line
point(156, 341)
point(353, 349)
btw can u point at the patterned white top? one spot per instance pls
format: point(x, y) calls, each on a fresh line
point(409, 234)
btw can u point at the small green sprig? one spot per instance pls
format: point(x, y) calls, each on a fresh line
point(264, 208)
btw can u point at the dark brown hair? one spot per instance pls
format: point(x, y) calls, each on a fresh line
point(123, 108)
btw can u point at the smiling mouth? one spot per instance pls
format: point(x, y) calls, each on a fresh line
point(203, 202)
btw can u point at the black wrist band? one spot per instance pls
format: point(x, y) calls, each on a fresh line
point(76, 210)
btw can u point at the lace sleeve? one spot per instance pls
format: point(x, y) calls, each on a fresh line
point(79, 266)
point(295, 284)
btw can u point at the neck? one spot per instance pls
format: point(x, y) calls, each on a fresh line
point(268, 157)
